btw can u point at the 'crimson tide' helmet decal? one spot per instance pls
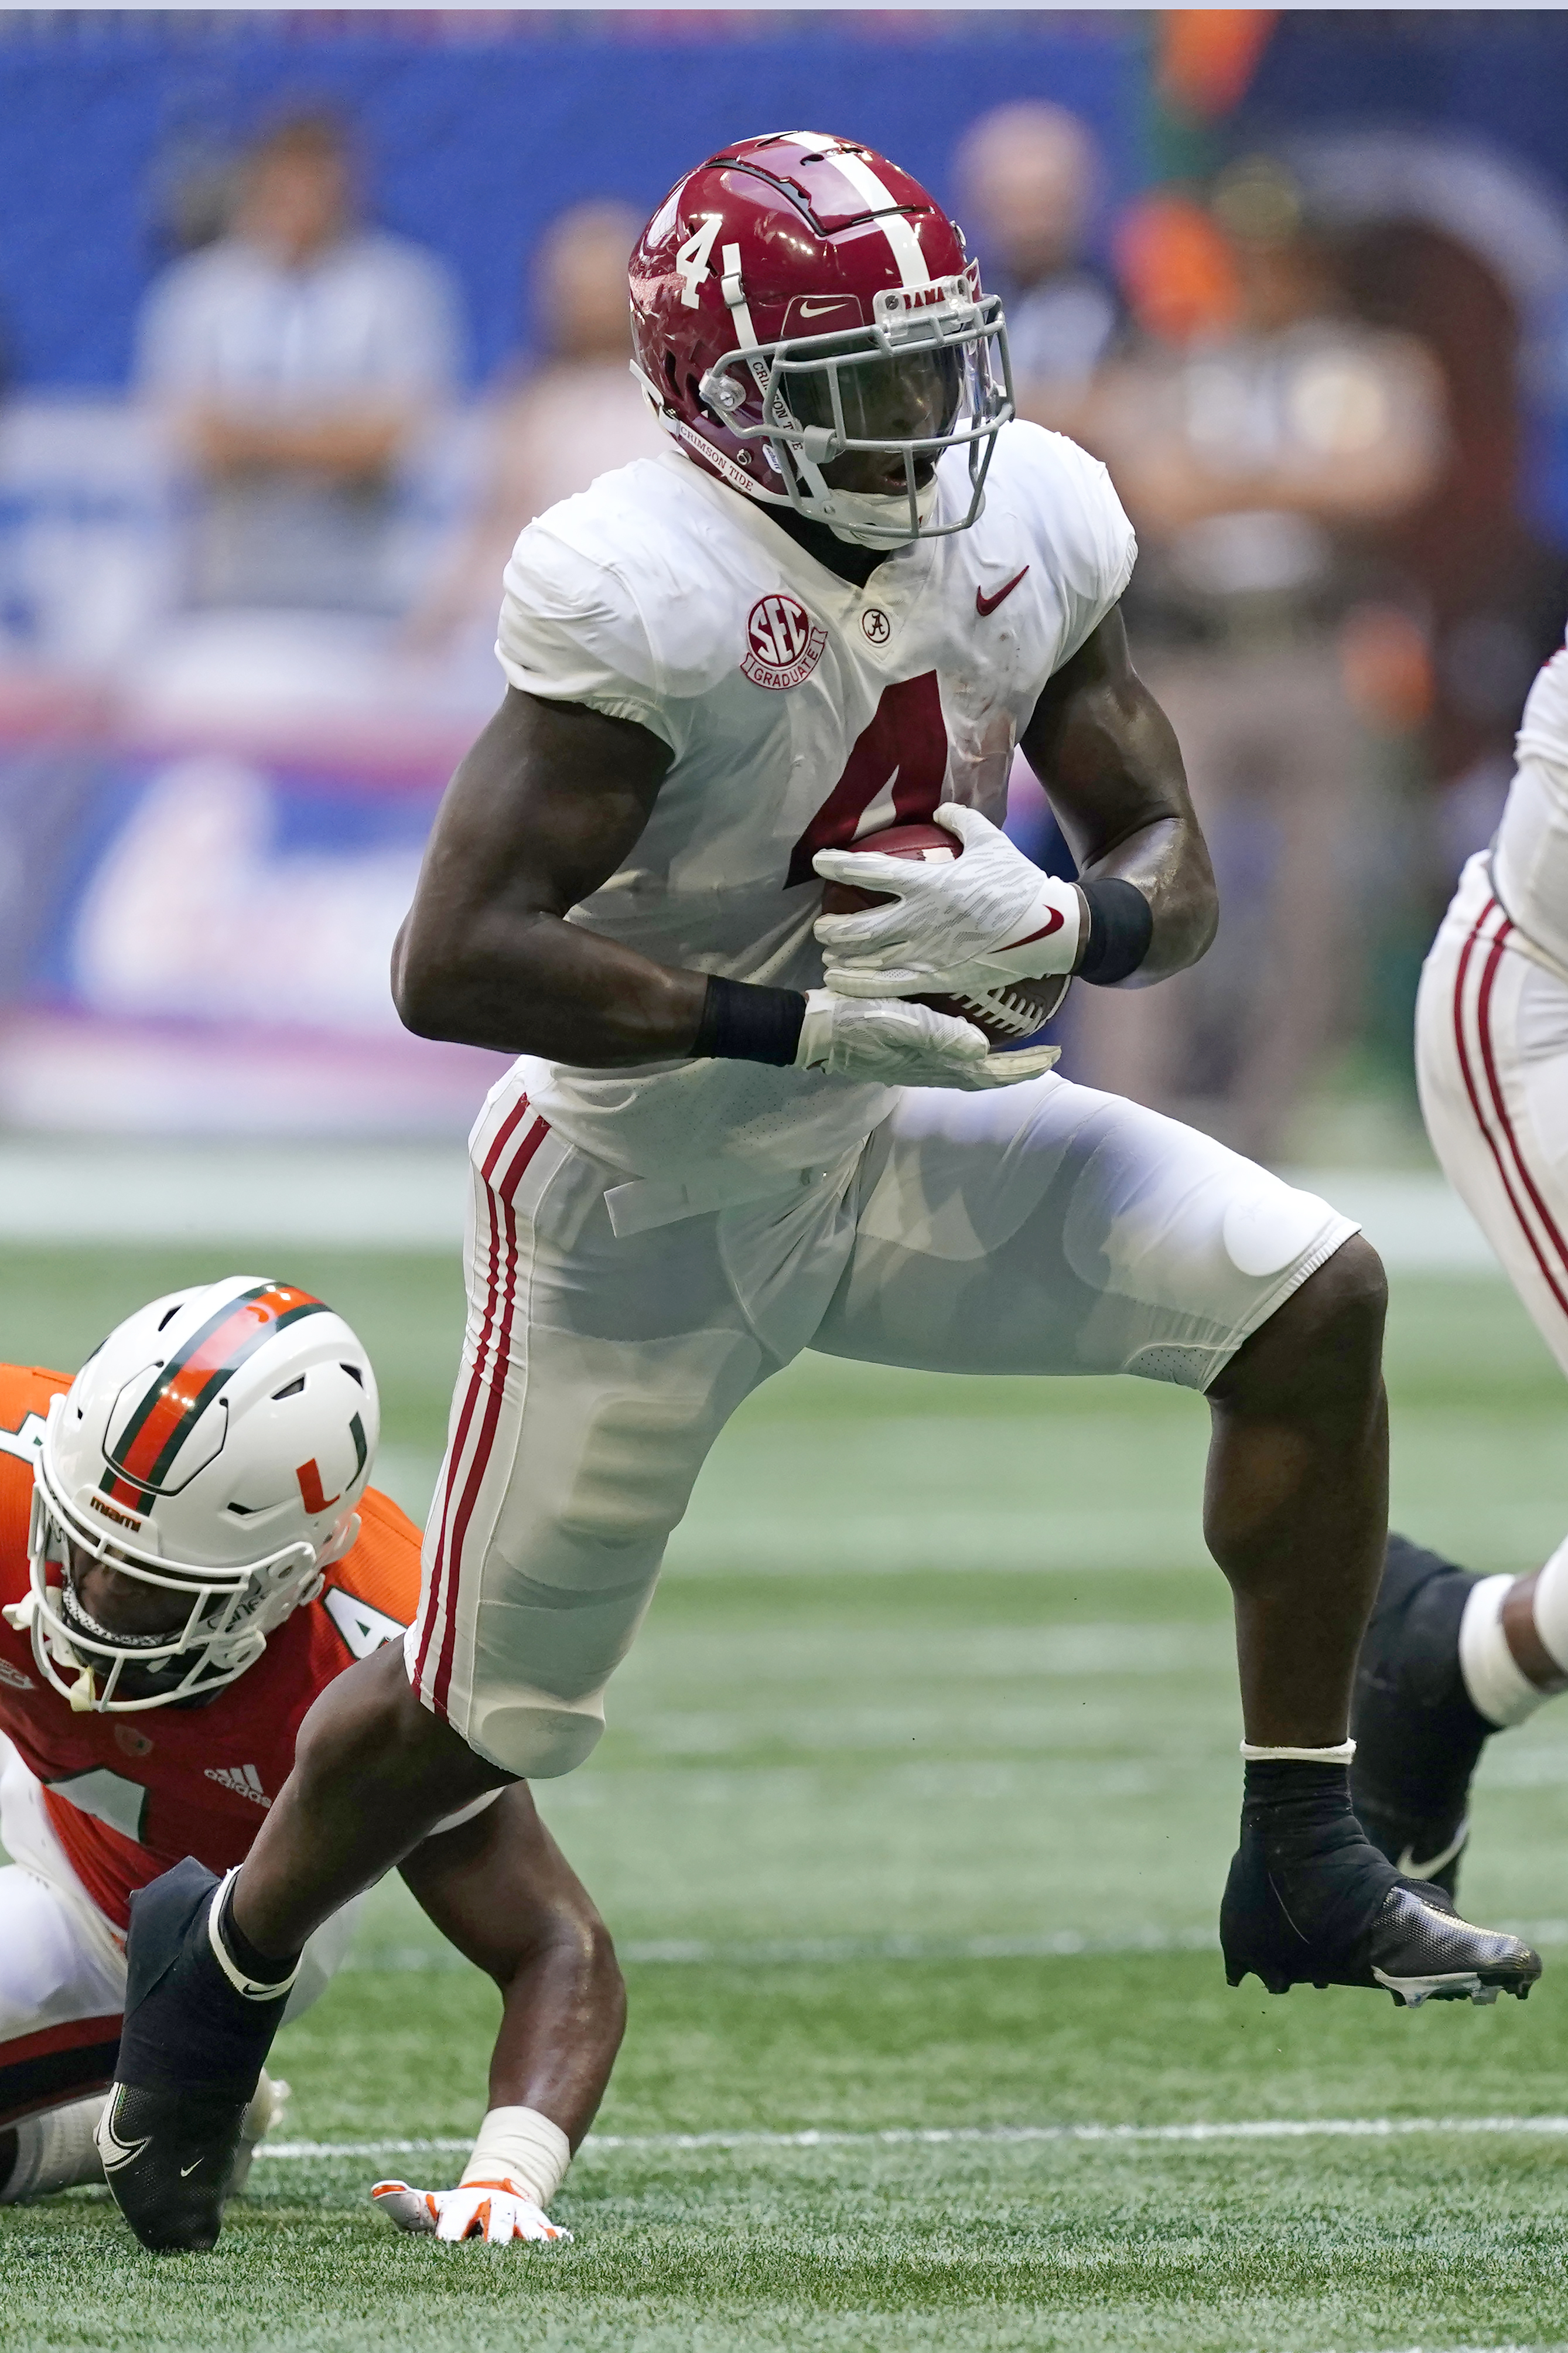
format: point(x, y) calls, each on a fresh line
point(772, 271)
point(143, 1452)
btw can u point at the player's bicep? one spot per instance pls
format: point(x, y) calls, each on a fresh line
point(1103, 749)
point(547, 802)
point(545, 806)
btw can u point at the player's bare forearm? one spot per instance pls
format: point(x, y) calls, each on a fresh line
point(541, 812)
point(501, 1890)
point(1108, 757)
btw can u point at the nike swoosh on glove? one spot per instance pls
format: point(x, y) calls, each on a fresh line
point(495, 2211)
point(957, 926)
point(896, 1044)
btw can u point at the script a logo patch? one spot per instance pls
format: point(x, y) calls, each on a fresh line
point(783, 644)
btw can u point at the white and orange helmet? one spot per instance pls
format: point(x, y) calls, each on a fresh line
point(215, 1446)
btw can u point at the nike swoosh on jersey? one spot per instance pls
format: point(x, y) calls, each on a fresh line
point(985, 605)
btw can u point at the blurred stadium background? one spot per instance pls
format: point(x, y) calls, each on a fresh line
point(1302, 279)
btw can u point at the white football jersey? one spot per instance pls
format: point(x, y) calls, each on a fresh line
point(1531, 860)
point(802, 713)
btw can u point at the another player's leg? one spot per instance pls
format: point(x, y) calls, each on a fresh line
point(62, 1989)
point(1072, 1232)
point(1449, 1658)
point(569, 1460)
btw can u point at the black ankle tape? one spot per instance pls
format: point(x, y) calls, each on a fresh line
point(1288, 1791)
point(263, 1968)
point(1326, 1874)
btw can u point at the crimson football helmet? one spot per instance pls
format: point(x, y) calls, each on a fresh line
point(797, 298)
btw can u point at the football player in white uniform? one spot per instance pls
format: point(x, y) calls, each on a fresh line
point(1450, 1658)
point(847, 592)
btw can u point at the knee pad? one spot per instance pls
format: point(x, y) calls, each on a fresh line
point(534, 1734)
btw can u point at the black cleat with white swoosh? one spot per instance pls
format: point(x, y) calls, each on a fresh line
point(167, 2157)
point(1311, 1901)
point(1418, 1734)
point(194, 2036)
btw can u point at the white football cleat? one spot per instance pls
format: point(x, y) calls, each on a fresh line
point(263, 2116)
point(495, 2211)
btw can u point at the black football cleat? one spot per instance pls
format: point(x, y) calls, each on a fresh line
point(1369, 1926)
point(1418, 1734)
point(168, 2157)
point(195, 2033)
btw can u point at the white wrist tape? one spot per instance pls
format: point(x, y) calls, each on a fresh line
point(1340, 1756)
point(520, 2145)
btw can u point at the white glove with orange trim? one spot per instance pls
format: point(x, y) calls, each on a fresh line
point(957, 926)
point(495, 2211)
point(518, 2163)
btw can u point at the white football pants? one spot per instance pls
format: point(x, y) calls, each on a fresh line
point(62, 1965)
point(1491, 1056)
point(1041, 1228)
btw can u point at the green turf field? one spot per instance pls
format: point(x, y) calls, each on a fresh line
point(912, 1820)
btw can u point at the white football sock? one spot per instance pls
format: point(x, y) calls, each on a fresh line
point(1551, 1608)
point(1497, 1685)
point(55, 2151)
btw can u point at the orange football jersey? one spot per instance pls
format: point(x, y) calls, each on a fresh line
point(130, 1794)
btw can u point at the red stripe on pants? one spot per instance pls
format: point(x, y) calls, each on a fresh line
point(432, 1603)
point(1553, 1277)
point(500, 1365)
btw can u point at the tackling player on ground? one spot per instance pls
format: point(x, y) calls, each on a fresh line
point(1449, 1658)
point(839, 602)
point(189, 1556)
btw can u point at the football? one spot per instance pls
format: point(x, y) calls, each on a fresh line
point(1010, 1016)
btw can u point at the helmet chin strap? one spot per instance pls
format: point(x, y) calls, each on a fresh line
point(877, 518)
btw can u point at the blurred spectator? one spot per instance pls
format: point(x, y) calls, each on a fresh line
point(297, 356)
point(1258, 460)
point(1028, 178)
point(577, 415)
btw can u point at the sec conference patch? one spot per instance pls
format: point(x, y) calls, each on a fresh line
point(783, 644)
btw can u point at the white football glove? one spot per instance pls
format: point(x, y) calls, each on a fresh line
point(957, 926)
point(897, 1044)
point(495, 2211)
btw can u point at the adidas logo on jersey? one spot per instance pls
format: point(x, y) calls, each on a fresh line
point(14, 1678)
point(243, 1778)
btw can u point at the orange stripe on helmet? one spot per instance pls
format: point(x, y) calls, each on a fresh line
point(189, 1382)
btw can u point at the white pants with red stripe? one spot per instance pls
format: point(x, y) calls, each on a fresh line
point(1491, 1055)
point(1042, 1228)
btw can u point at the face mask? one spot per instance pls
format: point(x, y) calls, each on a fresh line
point(879, 518)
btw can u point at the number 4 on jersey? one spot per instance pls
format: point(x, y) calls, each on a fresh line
point(364, 1630)
point(900, 757)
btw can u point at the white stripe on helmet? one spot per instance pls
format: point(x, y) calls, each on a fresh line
point(734, 295)
point(914, 270)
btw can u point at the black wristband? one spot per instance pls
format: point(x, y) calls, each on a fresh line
point(743, 1023)
point(1120, 926)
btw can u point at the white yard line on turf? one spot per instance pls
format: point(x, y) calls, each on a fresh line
point(945, 2136)
point(271, 1192)
point(1056, 1944)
